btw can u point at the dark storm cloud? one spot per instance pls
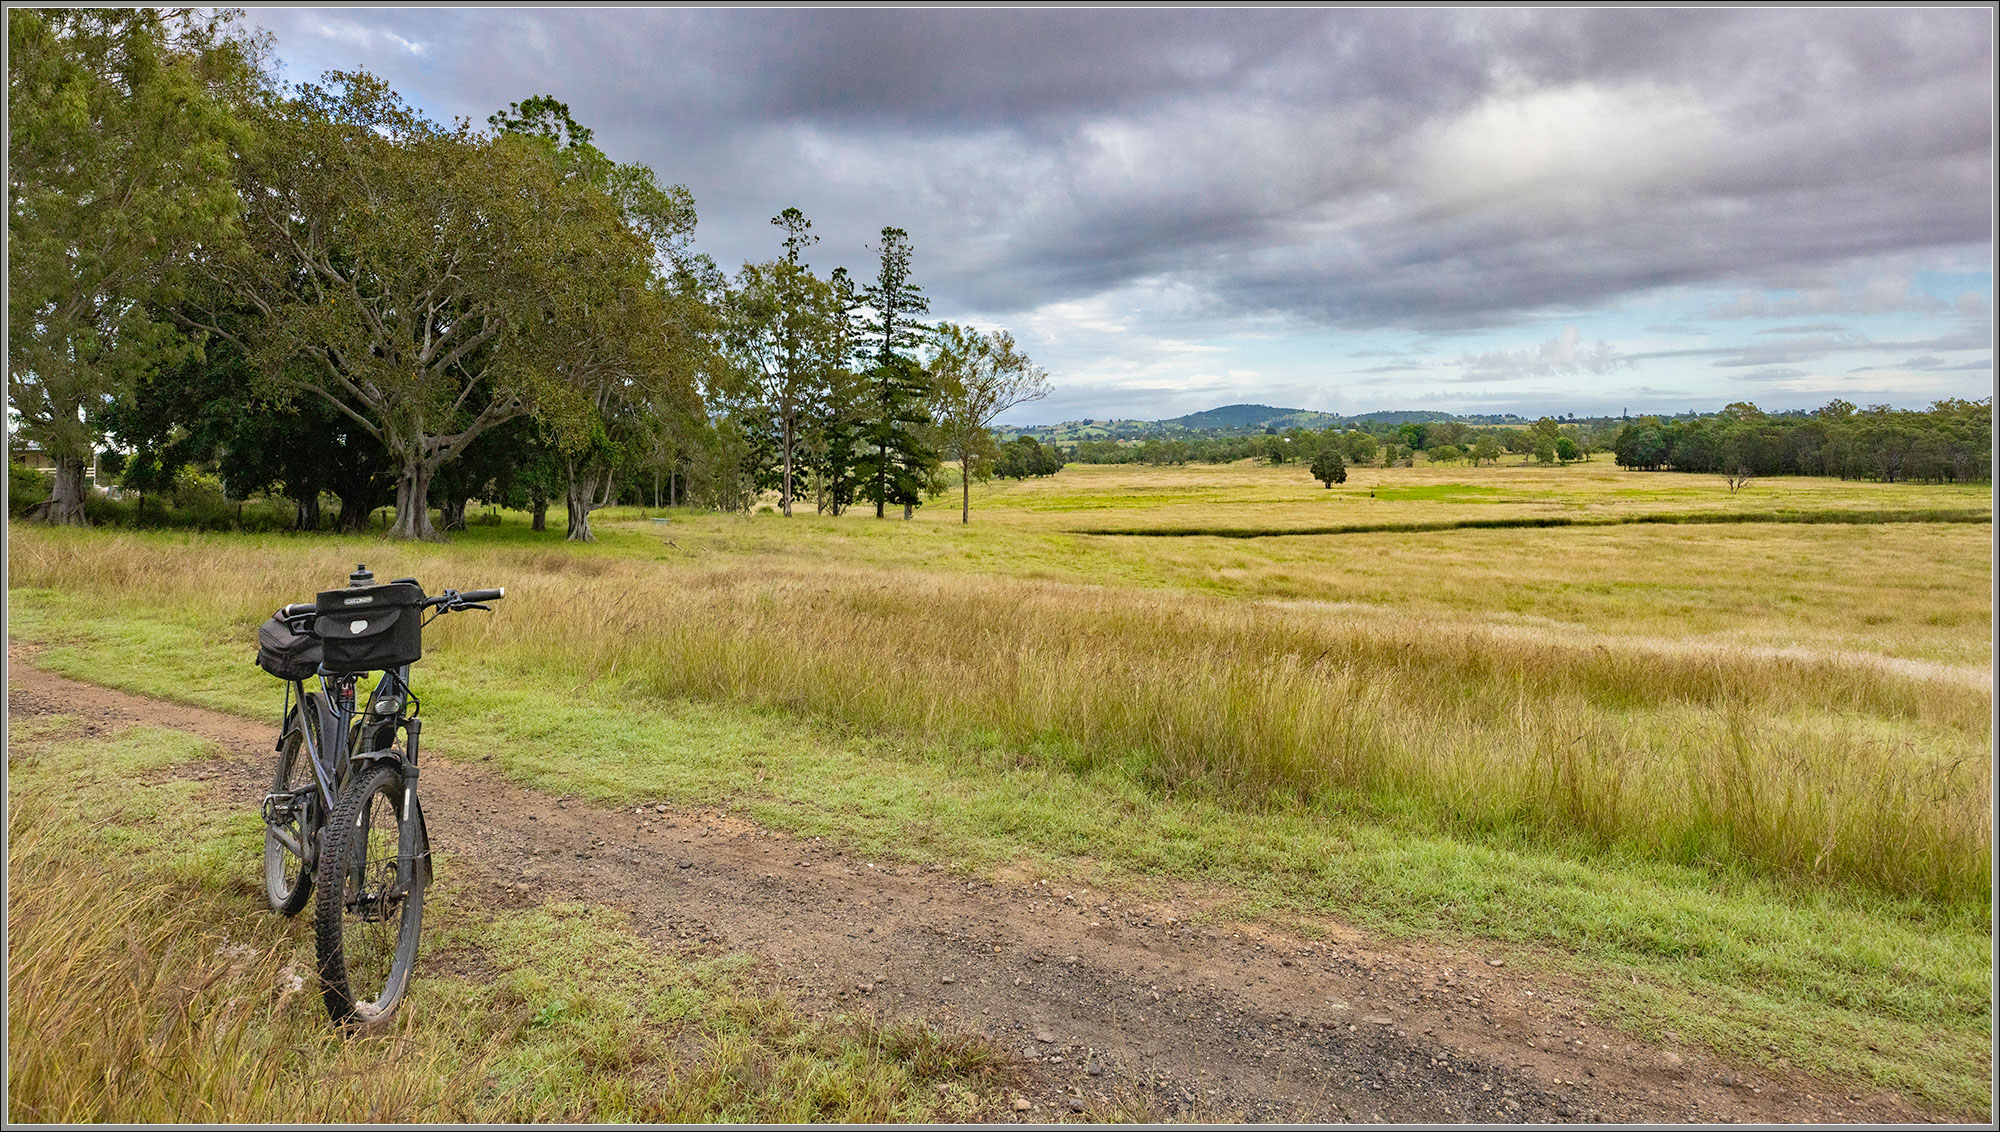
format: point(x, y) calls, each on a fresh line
point(1423, 169)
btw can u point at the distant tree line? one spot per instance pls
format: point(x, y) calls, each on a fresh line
point(1951, 442)
point(314, 291)
point(1374, 443)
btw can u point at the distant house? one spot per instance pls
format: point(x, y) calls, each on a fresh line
point(32, 457)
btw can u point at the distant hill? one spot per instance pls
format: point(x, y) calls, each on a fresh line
point(1254, 416)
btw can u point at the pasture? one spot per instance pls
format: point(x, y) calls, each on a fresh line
point(1732, 779)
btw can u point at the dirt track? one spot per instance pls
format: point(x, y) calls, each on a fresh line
point(1118, 1008)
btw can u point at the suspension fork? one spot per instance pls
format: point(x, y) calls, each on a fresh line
point(411, 837)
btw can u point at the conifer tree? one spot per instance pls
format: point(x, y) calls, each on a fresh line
point(894, 466)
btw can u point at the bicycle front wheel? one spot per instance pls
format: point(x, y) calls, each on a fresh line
point(367, 915)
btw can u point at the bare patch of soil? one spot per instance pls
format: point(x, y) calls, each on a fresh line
point(1117, 1009)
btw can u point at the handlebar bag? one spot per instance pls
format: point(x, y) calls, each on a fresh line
point(370, 628)
point(285, 654)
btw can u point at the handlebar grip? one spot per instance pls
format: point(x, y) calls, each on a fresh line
point(298, 609)
point(482, 595)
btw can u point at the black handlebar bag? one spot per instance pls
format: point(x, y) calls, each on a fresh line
point(370, 628)
point(285, 654)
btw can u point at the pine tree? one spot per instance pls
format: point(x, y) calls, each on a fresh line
point(895, 467)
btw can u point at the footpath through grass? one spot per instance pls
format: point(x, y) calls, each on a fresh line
point(148, 983)
point(1855, 985)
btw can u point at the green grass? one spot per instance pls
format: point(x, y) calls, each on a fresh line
point(1891, 992)
point(167, 993)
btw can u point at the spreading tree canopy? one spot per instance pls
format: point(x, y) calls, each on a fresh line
point(120, 128)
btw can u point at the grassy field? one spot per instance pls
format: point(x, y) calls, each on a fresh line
point(1735, 777)
point(202, 1006)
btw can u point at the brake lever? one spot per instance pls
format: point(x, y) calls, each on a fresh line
point(472, 605)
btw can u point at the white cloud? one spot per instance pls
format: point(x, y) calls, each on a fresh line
point(1566, 353)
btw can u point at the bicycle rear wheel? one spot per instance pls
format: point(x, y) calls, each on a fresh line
point(366, 918)
point(291, 825)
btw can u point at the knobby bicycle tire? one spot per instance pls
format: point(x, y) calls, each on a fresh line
point(288, 876)
point(366, 924)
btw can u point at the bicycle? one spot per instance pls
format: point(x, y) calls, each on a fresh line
point(343, 819)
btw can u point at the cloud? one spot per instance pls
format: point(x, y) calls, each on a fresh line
point(1431, 169)
point(1566, 353)
point(1930, 362)
point(1811, 348)
point(1137, 193)
point(1876, 296)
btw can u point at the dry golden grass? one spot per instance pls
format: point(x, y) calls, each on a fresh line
point(1915, 591)
point(1818, 766)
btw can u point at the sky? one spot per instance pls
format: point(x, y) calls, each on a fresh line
point(1478, 211)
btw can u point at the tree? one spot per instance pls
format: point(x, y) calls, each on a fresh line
point(120, 127)
point(1542, 439)
point(622, 337)
point(1485, 448)
point(1741, 452)
point(204, 411)
point(1446, 454)
point(789, 329)
point(1025, 456)
point(1567, 450)
point(1361, 447)
point(977, 377)
point(404, 262)
point(1328, 468)
point(897, 388)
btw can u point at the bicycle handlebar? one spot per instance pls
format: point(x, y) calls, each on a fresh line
point(445, 602)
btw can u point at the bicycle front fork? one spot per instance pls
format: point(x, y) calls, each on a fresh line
point(413, 847)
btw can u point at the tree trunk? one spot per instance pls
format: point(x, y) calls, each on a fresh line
point(452, 513)
point(785, 498)
point(907, 511)
point(540, 509)
point(355, 511)
point(308, 513)
point(580, 498)
point(64, 506)
point(965, 499)
point(881, 478)
point(413, 511)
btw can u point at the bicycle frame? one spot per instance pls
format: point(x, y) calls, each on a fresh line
point(335, 727)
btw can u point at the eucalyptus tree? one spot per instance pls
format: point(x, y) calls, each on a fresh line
point(789, 329)
point(976, 377)
point(628, 334)
point(834, 419)
point(120, 127)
